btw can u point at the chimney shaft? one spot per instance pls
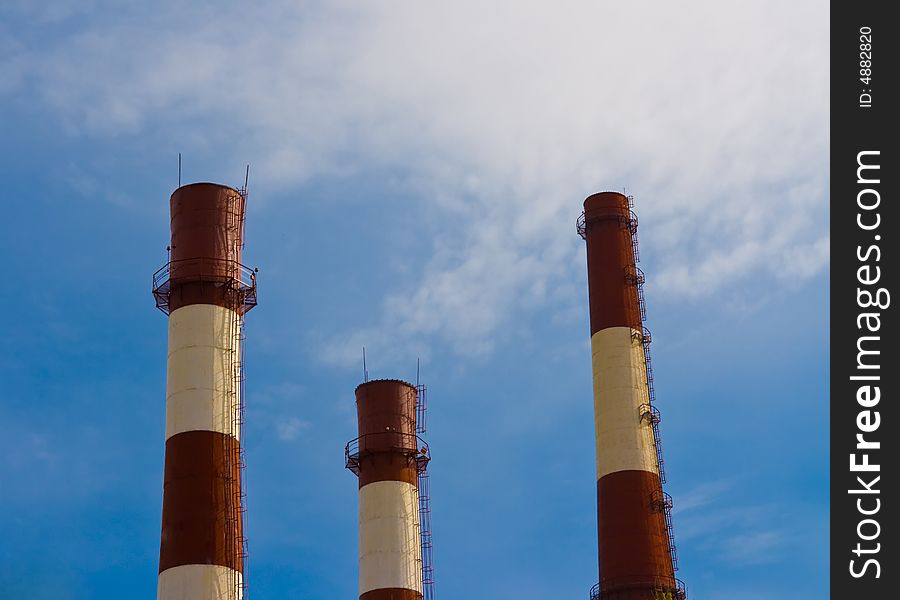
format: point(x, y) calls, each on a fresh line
point(636, 560)
point(387, 458)
point(205, 292)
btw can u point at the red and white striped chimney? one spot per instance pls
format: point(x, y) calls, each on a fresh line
point(637, 559)
point(206, 292)
point(388, 457)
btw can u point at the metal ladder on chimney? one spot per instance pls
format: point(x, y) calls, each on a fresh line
point(660, 501)
point(237, 502)
point(235, 463)
point(648, 411)
point(424, 503)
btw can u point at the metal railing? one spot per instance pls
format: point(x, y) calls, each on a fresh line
point(661, 502)
point(417, 449)
point(666, 588)
point(632, 222)
point(421, 407)
point(230, 274)
point(634, 275)
point(635, 278)
point(629, 221)
point(651, 414)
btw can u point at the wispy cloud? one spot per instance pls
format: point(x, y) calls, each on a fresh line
point(702, 496)
point(714, 115)
point(716, 525)
point(289, 428)
point(754, 547)
point(274, 408)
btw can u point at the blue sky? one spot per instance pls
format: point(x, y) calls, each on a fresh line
point(417, 169)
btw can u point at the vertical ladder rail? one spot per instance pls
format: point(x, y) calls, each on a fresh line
point(421, 407)
point(651, 412)
point(240, 411)
point(661, 500)
point(425, 538)
point(242, 457)
point(227, 456)
point(234, 461)
point(235, 540)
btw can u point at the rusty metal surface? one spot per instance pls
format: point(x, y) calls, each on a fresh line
point(207, 222)
point(386, 407)
point(388, 446)
point(608, 232)
point(633, 540)
point(205, 219)
point(198, 525)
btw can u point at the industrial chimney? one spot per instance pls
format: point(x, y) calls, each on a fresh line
point(391, 461)
point(636, 545)
point(205, 291)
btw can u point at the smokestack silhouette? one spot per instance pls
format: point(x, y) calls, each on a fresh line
point(205, 292)
point(635, 542)
point(390, 461)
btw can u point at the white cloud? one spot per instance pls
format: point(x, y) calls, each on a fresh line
point(711, 519)
point(270, 407)
point(702, 496)
point(754, 547)
point(289, 428)
point(503, 115)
